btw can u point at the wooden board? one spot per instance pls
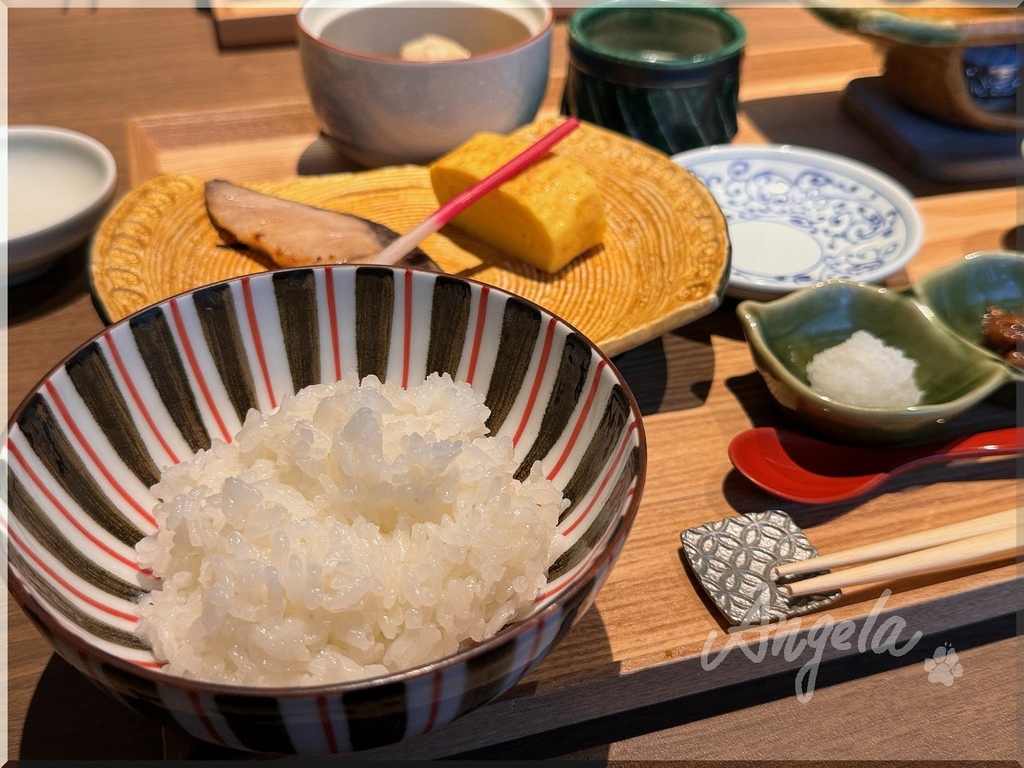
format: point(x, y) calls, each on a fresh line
point(642, 643)
point(254, 22)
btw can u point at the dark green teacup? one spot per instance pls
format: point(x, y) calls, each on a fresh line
point(664, 72)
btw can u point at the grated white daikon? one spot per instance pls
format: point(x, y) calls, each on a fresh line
point(864, 371)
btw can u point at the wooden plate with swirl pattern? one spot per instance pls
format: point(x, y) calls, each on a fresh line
point(664, 261)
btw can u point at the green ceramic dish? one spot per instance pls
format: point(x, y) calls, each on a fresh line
point(931, 27)
point(786, 333)
point(664, 72)
point(962, 293)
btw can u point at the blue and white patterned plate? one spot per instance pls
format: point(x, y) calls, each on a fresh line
point(798, 216)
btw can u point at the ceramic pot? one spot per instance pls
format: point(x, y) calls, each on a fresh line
point(959, 65)
point(666, 73)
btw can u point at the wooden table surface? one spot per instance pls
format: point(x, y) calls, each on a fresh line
point(95, 70)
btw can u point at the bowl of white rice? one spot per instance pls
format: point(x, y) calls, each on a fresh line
point(320, 510)
point(860, 363)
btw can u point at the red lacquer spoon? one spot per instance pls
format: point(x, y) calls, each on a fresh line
point(800, 468)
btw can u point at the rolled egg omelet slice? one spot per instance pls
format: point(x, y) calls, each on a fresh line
point(545, 216)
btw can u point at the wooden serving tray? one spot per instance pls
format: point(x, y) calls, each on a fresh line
point(643, 641)
point(662, 261)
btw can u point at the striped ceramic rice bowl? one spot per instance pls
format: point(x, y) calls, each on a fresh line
point(86, 446)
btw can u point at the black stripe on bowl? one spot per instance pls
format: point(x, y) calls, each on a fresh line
point(68, 609)
point(295, 293)
point(449, 324)
point(141, 694)
point(215, 308)
point(375, 304)
point(48, 441)
point(520, 327)
point(485, 676)
point(91, 374)
point(565, 394)
point(150, 710)
point(155, 343)
point(256, 722)
point(605, 441)
point(36, 522)
point(586, 543)
point(376, 715)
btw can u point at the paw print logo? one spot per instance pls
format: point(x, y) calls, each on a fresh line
point(943, 667)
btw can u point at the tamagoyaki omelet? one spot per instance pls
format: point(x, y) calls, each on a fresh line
point(545, 216)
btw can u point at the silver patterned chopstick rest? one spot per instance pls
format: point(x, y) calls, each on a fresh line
point(733, 560)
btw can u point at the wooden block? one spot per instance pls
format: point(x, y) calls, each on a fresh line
point(254, 22)
point(266, 141)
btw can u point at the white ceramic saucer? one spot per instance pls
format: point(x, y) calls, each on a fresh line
point(59, 185)
point(798, 216)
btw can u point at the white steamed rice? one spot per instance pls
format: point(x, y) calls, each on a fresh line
point(866, 372)
point(360, 529)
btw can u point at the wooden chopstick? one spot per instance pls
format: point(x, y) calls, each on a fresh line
point(901, 545)
point(988, 547)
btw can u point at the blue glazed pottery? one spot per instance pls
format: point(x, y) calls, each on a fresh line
point(666, 73)
point(993, 74)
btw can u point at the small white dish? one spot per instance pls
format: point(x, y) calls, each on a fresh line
point(59, 185)
point(798, 216)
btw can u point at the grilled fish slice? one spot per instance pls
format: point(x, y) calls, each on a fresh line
point(294, 234)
